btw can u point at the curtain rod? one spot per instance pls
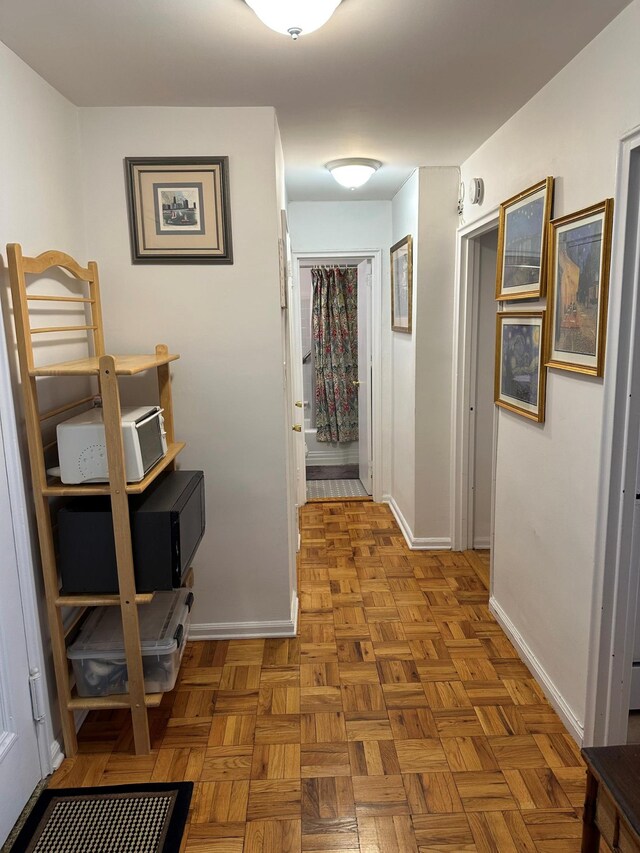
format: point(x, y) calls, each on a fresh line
point(329, 266)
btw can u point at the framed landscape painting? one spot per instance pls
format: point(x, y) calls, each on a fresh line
point(579, 264)
point(522, 243)
point(402, 284)
point(520, 373)
point(179, 210)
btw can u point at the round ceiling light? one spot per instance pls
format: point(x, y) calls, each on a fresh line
point(353, 172)
point(294, 17)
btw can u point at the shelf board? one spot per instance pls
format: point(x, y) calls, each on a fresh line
point(119, 700)
point(57, 489)
point(126, 365)
point(99, 600)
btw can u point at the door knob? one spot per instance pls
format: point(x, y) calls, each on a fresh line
point(298, 404)
point(355, 381)
point(296, 428)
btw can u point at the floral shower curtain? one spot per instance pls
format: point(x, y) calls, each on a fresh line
point(335, 350)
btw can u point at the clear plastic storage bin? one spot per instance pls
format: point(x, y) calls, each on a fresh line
point(98, 657)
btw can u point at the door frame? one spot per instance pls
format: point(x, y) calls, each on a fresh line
point(49, 749)
point(466, 295)
point(375, 256)
point(617, 564)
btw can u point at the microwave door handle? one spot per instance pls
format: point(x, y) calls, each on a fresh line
point(150, 417)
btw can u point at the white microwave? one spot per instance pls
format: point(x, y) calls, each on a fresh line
point(82, 450)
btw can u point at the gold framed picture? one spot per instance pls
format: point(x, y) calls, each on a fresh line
point(579, 262)
point(402, 284)
point(522, 243)
point(520, 374)
point(179, 210)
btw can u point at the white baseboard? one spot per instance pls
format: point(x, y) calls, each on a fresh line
point(573, 724)
point(481, 543)
point(57, 755)
point(416, 543)
point(247, 630)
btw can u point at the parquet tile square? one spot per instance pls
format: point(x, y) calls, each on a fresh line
point(324, 759)
point(401, 720)
point(268, 836)
point(376, 796)
point(274, 799)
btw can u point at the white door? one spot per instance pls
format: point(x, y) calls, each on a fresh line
point(365, 442)
point(19, 757)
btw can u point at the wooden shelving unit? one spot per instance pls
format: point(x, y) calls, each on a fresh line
point(106, 369)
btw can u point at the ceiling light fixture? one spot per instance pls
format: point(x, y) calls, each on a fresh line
point(353, 172)
point(294, 17)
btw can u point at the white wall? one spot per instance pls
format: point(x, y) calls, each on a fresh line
point(547, 475)
point(41, 209)
point(405, 213)
point(226, 323)
point(438, 220)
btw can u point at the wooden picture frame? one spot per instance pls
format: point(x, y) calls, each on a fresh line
point(523, 243)
point(179, 210)
point(402, 285)
point(579, 268)
point(520, 375)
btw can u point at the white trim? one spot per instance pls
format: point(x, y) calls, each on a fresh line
point(482, 543)
point(375, 256)
point(552, 693)
point(56, 755)
point(462, 376)
point(20, 520)
point(246, 630)
point(614, 609)
point(416, 543)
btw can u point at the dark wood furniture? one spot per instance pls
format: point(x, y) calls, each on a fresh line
point(612, 803)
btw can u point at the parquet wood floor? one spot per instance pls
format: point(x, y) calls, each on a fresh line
point(400, 719)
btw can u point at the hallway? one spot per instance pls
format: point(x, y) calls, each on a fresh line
point(401, 718)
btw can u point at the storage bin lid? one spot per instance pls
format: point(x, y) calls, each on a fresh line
point(161, 627)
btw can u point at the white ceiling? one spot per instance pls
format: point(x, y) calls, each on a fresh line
point(407, 82)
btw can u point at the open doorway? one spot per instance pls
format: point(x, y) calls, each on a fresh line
point(335, 310)
point(473, 472)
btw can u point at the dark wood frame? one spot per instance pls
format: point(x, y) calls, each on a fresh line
point(187, 257)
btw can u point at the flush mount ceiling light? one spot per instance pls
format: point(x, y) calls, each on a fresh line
point(353, 172)
point(294, 17)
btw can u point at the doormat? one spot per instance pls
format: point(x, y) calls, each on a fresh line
point(118, 819)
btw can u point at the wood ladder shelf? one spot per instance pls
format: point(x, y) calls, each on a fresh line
point(106, 369)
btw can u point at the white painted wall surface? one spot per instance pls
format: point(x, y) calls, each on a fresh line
point(484, 405)
point(405, 220)
point(547, 475)
point(433, 324)
point(41, 209)
point(226, 323)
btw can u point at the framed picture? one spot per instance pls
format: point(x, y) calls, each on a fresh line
point(283, 256)
point(579, 263)
point(402, 285)
point(520, 374)
point(522, 243)
point(179, 210)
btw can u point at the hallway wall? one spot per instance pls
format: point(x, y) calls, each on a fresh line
point(547, 582)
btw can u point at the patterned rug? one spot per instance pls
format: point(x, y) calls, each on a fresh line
point(321, 489)
point(118, 819)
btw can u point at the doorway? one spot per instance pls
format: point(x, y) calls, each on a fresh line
point(475, 423)
point(330, 468)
